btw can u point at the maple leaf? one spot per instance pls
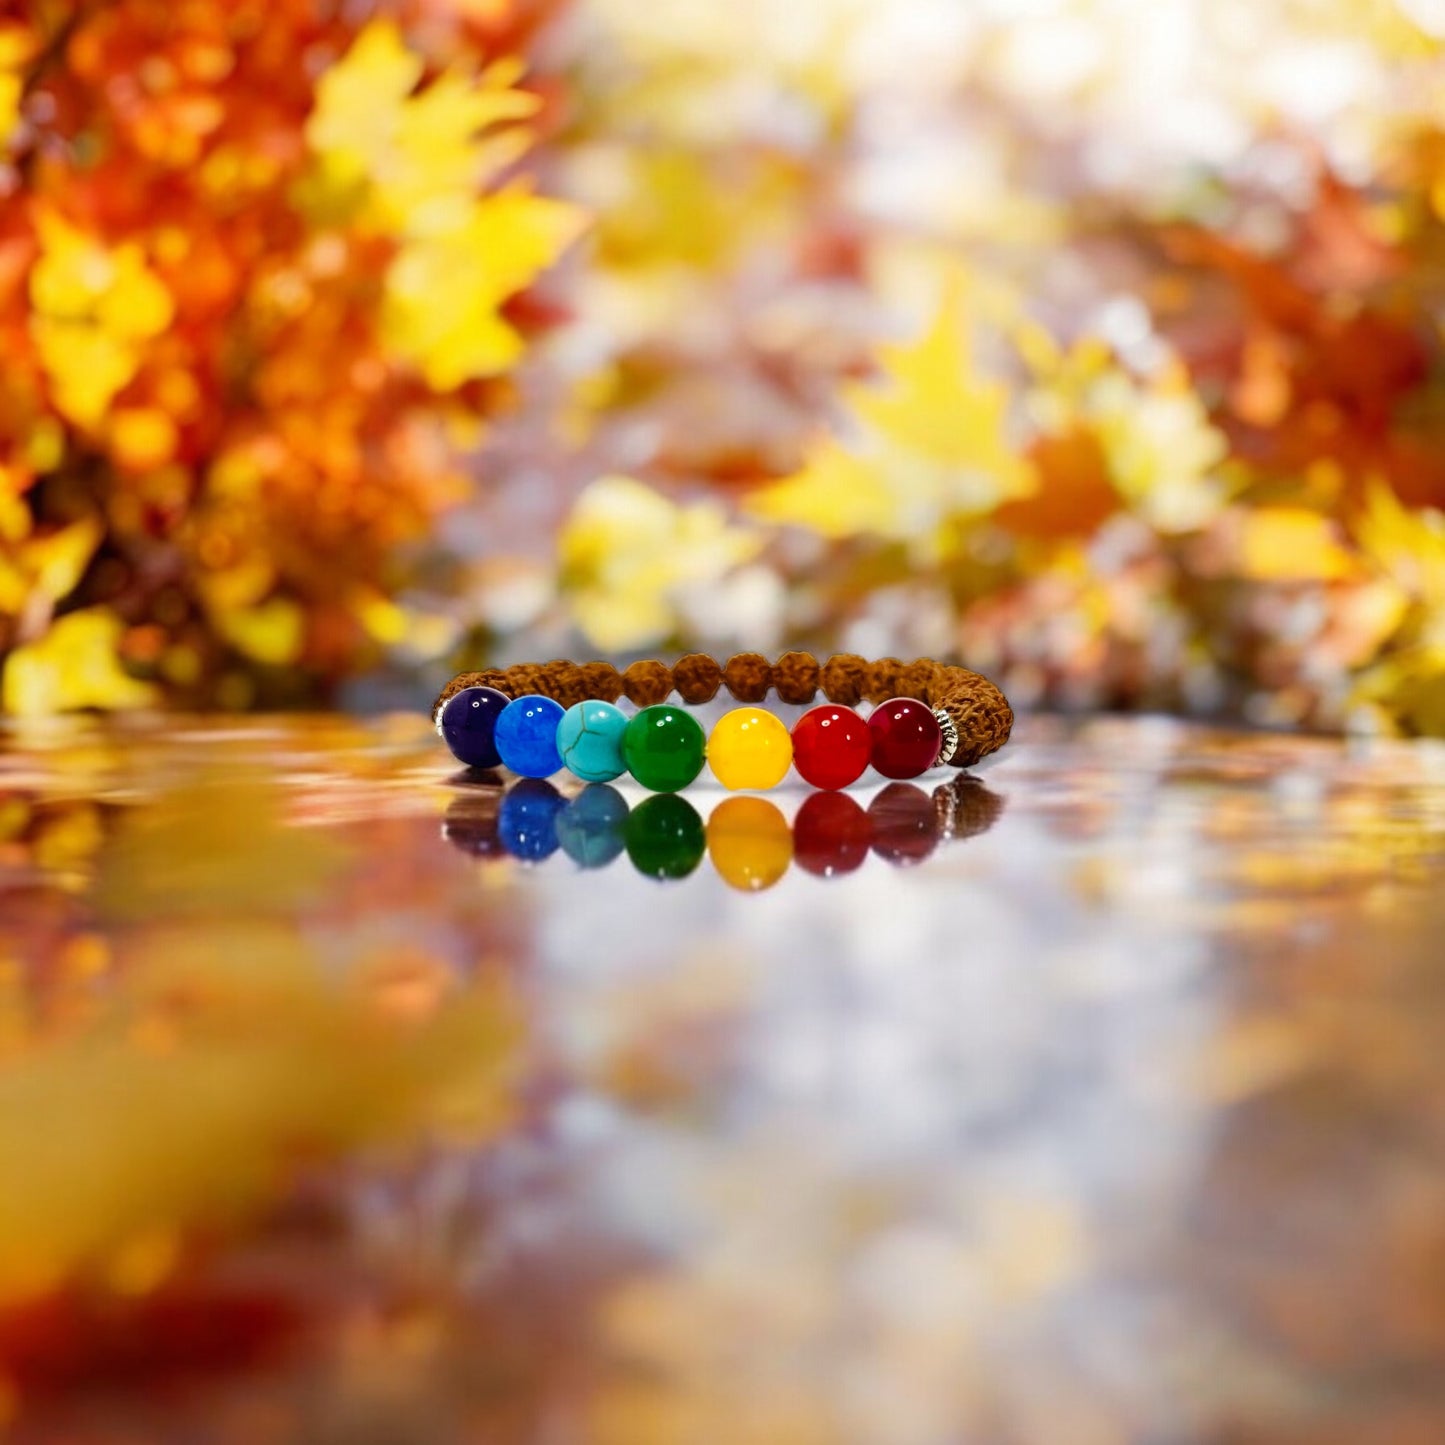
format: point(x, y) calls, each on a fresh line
point(934, 445)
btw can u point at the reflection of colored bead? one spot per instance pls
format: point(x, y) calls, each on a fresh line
point(749, 843)
point(590, 827)
point(527, 736)
point(589, 738)
point(469, 725)
point(832, 746)
point(471, 822)
point(665, 837)
point(831, 834)
point(906, 737)
point(905, 826)
point(527, 822)
point(663, 746)
point(749, 748)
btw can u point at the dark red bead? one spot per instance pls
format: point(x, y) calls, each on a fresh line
point(905, 825)
point(831, 834)
point(832, 746)
point(906, 737)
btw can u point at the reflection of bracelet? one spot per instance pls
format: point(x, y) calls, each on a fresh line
point(749, 841)
point(537, 719)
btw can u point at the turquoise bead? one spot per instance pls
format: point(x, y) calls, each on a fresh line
point(526, 736)
point(589, 737)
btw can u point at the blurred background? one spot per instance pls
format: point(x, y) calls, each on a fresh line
point(1097, 342)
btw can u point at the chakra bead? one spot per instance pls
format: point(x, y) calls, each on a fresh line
point(590, 828)
point(469, 724)
point(471, 823)
point(831, 834)
point(749, 748)
point(905, 824)
point(906, 737)
point(663, 746)
point(527, 735)
point(589, 738)
point(527, 821)
point(832, 746)
point(665, 837)
point(749, 843)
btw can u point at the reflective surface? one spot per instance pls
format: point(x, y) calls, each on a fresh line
point(1093, 1098)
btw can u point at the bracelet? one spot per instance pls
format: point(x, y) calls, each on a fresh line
point(535, 720)
point(749, 842)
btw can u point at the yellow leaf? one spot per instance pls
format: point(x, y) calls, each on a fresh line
point(57, 562)
point(934, 402)
point(1291, 544)
point(836, 495)
point(934, 446)
point(271, 633)
point(1406, 544)
point(629, 555)
point(92, 311)
point(74, 665)
point(444, 292)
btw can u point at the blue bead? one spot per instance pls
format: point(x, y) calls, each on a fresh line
point(527, 820)
point(469, 725)
point(591, 827)
point(527, 736)
point(589, 738)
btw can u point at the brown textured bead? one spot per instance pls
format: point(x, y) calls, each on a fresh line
point(564, 682)
point(524, 678)
point(979, 711)
point(916, 679)
point(697, 678)
point(795, 677)
point(647, 682)
point(842, 677)
point(881, 679)
point(964, 808)
point(748, 675)
point(602, 681)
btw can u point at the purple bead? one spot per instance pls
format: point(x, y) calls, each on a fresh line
point(469, 725)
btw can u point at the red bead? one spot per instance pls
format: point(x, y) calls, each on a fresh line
point(905, 827)
point(906, 737)
point(831, 834)
point(831, 746)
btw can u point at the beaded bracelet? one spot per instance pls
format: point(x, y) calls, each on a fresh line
point(537, 719)
point(749, 841)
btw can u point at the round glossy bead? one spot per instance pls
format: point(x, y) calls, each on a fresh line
point(832, 746)
point(469, 725)
point(527, 736)
point(749, 842)
point(906, 737)
point(831, 834)
point(589, 738)
point(591, 827)
point(664, 748)
point(905, 825)
point(527, 820)
point(665, 837)
point(749, 748)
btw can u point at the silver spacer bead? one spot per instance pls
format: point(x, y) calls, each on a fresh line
point(950, 736)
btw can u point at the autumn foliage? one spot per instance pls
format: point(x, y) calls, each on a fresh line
point(255, 267)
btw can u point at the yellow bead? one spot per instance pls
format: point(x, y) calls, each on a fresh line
point(749, 842)
point(749, 748)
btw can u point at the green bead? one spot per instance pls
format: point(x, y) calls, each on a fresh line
point(664, 748)
point(665, 837)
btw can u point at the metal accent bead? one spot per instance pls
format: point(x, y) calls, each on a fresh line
point(949, 729)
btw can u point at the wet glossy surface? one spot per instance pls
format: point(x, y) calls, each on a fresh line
point(1095, 1100)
